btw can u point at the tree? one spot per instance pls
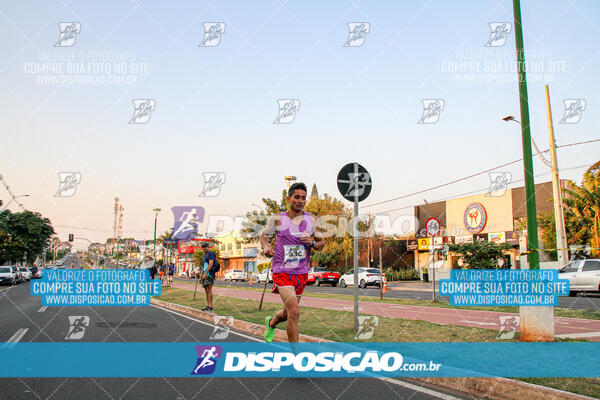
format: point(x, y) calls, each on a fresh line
point(256, 220)
point(336, 223)
point(583, 204)
point(314, 193)
point(23, 235)
point(546, 222)
point(199, 255)
point(480, 254)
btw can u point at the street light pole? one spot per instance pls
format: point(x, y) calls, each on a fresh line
point(156, 211)
point(290, 180)
point(561, 236)
point(559, 218)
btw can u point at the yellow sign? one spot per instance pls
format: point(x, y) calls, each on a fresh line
point(424, 244)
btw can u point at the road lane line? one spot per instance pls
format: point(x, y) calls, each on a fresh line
point(407, 385)
point(42, 309)
point(15, 338)
point(209, 324)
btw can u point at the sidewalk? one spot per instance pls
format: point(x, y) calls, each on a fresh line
point(575, 328)
point(412, 286)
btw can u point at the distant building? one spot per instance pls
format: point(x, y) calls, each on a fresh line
point(235, 254)
point(484, 217)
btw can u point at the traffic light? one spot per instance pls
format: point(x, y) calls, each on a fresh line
point(71, 237)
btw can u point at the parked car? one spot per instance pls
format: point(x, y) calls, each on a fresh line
point(583, 275)
point(26, 273)
point(366, 277)
point(321, 275)
point(262, 276)
point(18, 274)
point(235, 275)
point(7, 275)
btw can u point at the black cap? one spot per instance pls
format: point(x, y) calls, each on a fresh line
point(204, 245)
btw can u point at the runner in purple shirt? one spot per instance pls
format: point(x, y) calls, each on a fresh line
point(296, 233)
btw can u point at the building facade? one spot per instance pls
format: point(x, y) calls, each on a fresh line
point(482, 217)
point(236, 254)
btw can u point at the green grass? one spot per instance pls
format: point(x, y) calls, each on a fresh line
point(338, 326)
point(558, 312)
point(335, 325)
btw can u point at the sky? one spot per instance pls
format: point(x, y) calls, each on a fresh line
point(68, 107)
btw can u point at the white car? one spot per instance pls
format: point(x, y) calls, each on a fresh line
point(262, 276)
point(7, 275)
point(583, 275)
point(235, 275)
point(26, 273)
point(366, 277)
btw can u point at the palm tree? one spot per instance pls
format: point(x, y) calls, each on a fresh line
point(583, 208)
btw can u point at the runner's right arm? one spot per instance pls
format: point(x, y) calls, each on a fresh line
point(265, 236)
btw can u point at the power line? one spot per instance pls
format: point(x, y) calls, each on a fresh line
point(12, 195)
point(472, 175)
point(478, 191)
point(97, 229)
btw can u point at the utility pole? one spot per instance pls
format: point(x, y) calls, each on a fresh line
point(115, 226)
point(119, 232)
point(559, 218)
point(156, 211)
point(536, 322)
point(380, 275)
point(532, 234)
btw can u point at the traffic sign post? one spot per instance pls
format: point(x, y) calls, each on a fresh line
point(354, 183)
point(433, 229)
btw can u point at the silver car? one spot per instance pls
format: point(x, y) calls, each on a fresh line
point(583, 276)
point(7, 275)
point(26, 273)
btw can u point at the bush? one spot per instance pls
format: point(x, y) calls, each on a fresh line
point(401, 274)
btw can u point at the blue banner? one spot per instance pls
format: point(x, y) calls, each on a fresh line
point(483, 287)
point(223, 359)
point(95, 287)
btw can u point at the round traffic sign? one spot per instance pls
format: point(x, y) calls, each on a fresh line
point(433, 226)
point(354, 185)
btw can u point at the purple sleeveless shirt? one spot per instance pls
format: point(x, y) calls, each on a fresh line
point(291, 255)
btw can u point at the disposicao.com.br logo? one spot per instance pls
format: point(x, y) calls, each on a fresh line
point(370, 361)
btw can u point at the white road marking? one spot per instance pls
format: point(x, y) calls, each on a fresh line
point(393, 381)
point(578, 335)
point(42, 309)
point(480, 323)
point(208, 323)
point(15, 338)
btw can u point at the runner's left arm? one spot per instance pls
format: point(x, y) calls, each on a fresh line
point(318, 234)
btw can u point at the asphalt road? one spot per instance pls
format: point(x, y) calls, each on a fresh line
point(587, 301)
point(20, 311)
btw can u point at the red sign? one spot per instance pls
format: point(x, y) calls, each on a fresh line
point(433, 226)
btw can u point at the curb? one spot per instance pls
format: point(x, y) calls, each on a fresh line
point(485, 388)
point(248, 328)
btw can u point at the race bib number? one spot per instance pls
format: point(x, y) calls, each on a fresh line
point(293, 254)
